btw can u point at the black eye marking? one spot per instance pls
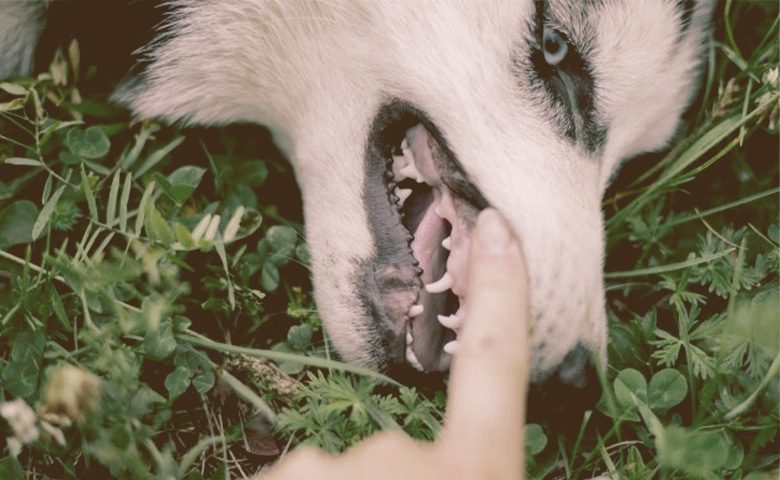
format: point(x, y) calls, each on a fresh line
point(557, 66)
point(554, 46)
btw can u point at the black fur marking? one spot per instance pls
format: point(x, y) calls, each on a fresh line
point(685, 7)
point(571, 86)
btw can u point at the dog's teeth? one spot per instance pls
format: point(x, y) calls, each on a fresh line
point(442, 285)
point(410, 355)
point(399, 162)
point(411, 172)
point(403, 194)
point(412, 359)
point(447, 243)
point(451, 347)
point(415, 310)
point(450, 321)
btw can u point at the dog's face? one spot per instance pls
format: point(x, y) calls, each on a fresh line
point(404, 119)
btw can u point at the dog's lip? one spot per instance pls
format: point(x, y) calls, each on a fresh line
point(417, 341)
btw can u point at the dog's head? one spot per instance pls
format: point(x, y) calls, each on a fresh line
point(403, 120)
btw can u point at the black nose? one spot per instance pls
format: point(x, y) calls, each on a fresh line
point(562, 398)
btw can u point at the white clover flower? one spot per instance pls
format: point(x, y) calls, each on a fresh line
point(71, 391)
point(22, 420)
point(211, 231)
point(771, 77)
point(233, 225)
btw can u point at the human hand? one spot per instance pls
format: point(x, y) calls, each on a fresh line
point(482, 437)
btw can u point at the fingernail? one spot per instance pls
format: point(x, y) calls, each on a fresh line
point(492, 233)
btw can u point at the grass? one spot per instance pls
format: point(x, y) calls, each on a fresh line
point(156, 318)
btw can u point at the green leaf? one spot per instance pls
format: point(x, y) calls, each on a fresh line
point(183, 236)
point(86, 188)
point(736, 453)
point(299, 336)
point(269, 277)
point(302, 253)
point(112, 199)
point(180, 184)
point(16, 223)
point(22, 372)
point(667, 389)
point(204, 381)
point(160, 343)
point(697, 453)
point(282, 239)
point(290, 367)
point(45, 214)
point(156, 157)
point(177, 381)
point(90, 143)
point(11, 469)
point(535, 439)
point(635, 461)
point(252, 173)
point(630, 388)
point(157, 227)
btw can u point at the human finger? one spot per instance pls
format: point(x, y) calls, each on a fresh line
point(486, 406)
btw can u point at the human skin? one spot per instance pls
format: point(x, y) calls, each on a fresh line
point(482, 437)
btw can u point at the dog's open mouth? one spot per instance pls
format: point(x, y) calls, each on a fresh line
point(422, 228)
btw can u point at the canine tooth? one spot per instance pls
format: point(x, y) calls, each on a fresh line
point(415, 310)
point(441, 285)
point(403, 194)
point(451, 347)
point(411, 171)
point(447, 243)
point(409, 338)
point(450, 321)
point(412, 359)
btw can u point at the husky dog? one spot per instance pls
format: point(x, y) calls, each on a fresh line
point(404, 119)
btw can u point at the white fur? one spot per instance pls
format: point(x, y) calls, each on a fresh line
point(316, 73)
point(20, 26)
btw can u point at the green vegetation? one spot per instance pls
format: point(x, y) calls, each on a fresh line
point(156, 318)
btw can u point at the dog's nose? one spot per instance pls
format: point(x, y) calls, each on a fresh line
point(565, 395)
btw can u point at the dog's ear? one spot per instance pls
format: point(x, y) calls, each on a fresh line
point(21, 24)
point(656, 97)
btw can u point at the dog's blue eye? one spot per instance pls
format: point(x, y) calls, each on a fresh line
point(554, 47)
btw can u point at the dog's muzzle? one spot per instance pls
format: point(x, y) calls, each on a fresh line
point(422, 208)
